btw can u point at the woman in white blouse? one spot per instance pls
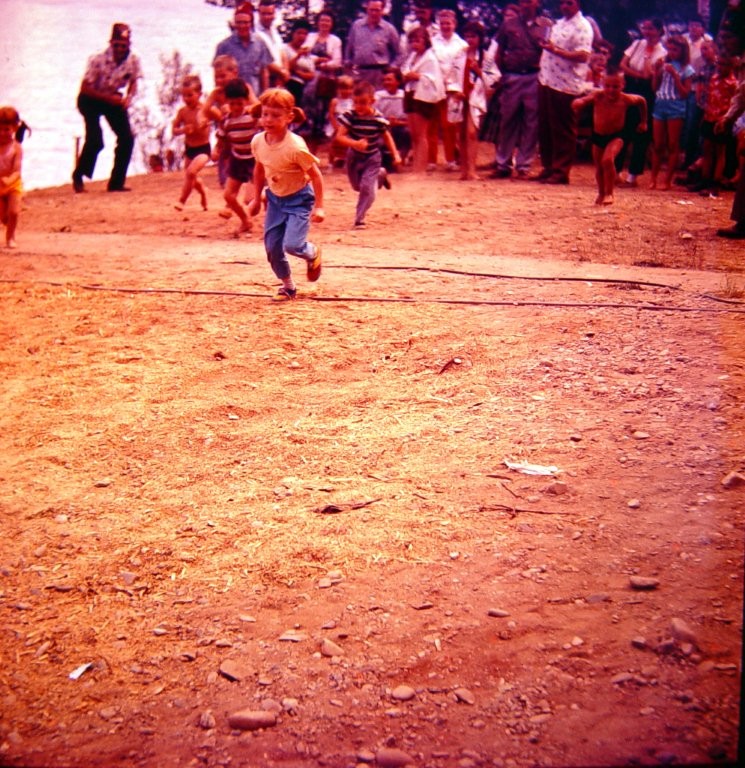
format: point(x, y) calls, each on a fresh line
point(424, 89)
point(326, 52)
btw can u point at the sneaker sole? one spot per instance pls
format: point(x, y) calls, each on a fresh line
point(314, 266)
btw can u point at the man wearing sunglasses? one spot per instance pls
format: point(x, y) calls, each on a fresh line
point(107, 90)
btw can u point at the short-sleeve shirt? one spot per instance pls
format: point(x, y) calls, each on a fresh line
point(371, 127)
point(391, 105)
point(640, 57)
point(668, 91)
point(252, 57)
point(372, 46)
point(719, 94)
point(239, 132)
point(104, 74)
point(558, 73)
point(286, 163)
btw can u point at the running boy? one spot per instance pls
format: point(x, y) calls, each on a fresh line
point(225, 69)
point(191, 123)
point(295, 189)
point(613, 115)
point(364, 131)
point(11, 189)
point(236, 132)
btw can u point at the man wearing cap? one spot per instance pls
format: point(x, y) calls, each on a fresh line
point(248, 50)
point(107, 90)
point(372, 45)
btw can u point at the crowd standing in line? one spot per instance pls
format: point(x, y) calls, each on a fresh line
point(545, 84)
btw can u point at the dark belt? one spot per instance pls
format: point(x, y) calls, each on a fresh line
point(521, 71)
point(371, 66)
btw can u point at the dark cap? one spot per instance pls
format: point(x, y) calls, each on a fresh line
point(120, 33)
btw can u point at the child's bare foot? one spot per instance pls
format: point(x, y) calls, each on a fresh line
point(608, 200)
point(245, 227)
point(225, 213)
point(12, 244)
point(179, 206)
point(653, 184)
point(599, 200)
point(665, 187)
point(203, 198)
point(471, 177)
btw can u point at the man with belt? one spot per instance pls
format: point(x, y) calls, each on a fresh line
point(518, 57)
point(372, 45)
point(107, 90)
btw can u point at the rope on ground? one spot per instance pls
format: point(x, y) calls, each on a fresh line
point(384, 299)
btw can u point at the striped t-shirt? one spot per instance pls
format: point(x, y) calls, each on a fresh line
point(370, 127)
point(238, 132)
point(668, 90)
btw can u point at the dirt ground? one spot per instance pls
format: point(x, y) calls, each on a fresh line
point(243, 534)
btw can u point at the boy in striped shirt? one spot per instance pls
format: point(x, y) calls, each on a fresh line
point(236, 132)
point(364, 131)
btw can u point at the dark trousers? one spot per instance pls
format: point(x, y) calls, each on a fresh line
point(557, 130)
point(738, 204)
point(116, 116)
point(639, 141)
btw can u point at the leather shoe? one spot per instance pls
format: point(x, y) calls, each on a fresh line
point(501, 173)
point(77, 182)
point(542, 176)
point(556, 178)
point(733, 233)
point(119, 189)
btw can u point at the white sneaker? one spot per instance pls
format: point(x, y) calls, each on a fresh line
point(452, 166)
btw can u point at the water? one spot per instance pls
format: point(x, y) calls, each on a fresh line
point(44, 47)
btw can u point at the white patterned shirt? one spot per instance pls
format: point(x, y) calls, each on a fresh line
point(561, 74)
point(105, 75)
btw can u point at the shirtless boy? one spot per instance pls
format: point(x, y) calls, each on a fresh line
point(613, 115)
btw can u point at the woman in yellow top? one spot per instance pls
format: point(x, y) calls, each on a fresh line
point(294, 195)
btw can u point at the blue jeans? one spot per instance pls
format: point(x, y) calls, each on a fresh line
point(362, 171)
point(286, 229)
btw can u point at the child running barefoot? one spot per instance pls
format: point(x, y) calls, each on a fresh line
point(612, 110)
point(237, 131)
point(191, 123)
point(294, 192)
point(364, 131)
point(11, 189)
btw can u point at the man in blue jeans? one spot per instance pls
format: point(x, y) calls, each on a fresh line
point(107, 90)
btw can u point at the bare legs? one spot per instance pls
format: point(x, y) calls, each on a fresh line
point(468, 146)
point(418, 127)
point(10, 207)
point(232, 188)
point(605, 170)
point(666, 136)
point(191, 182)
